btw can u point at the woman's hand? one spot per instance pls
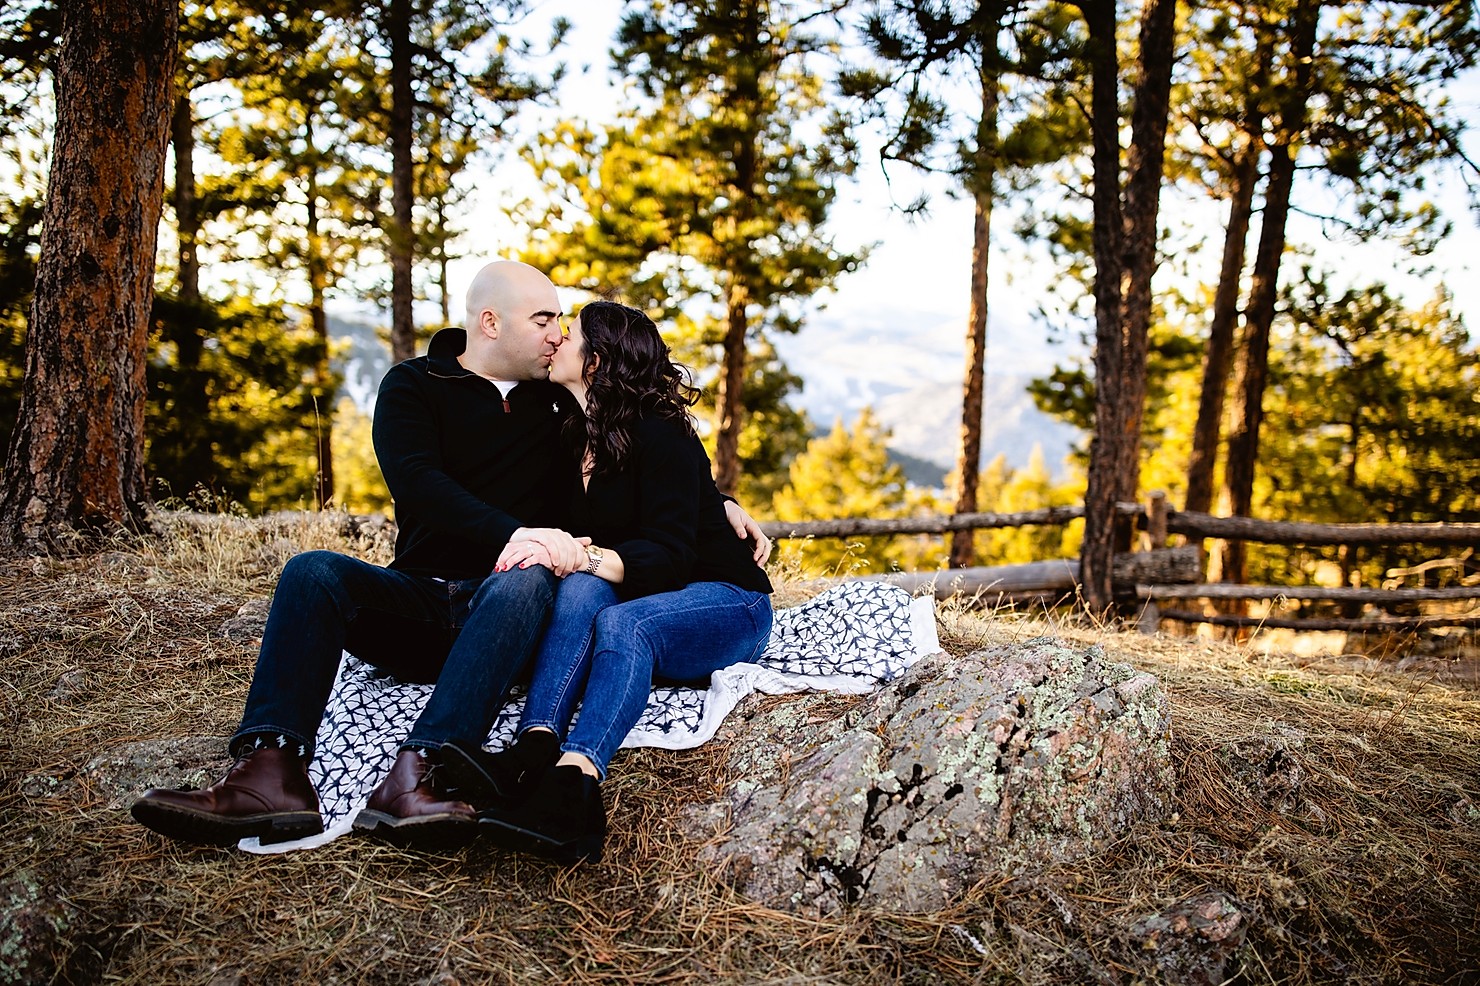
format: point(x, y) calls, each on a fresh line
point(522, 554)
point(548, 546)
point(746, 527)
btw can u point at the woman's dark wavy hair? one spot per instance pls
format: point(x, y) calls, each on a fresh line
point(629, 373)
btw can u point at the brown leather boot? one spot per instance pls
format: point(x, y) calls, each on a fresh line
point(265, 793)
point(409, 810)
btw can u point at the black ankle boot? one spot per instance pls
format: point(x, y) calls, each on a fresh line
point(489, 780)
point(563, 818)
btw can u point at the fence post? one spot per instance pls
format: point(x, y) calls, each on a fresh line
point(1149, 620)
point(1156, 520)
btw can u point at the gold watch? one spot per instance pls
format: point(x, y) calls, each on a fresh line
point(593, 556)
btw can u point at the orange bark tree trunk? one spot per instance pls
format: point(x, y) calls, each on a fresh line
point(1252, 371)
point(1207, 433)
point(76, 457)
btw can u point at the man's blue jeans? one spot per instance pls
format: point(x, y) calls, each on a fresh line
point(470, 637)
point(607, 655)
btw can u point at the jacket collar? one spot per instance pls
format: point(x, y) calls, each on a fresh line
point(446, 346)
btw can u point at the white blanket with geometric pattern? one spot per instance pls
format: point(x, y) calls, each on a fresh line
point(851, 638)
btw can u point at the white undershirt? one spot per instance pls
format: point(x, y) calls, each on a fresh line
point(505, 387)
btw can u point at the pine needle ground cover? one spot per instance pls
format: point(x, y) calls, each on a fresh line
point(1327, 825)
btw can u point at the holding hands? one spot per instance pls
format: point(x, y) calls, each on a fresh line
point(562, 553)
point(548, 546)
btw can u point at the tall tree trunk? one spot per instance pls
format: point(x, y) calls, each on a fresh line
point(322, 383)
point(1208, 429)
point(1207, 432)
point(76, 457)
point(192, 401)
point(1145, 165)
point(968, 467)
point(1125, 259)
point(442, 290)
point(731, 407)
point(1099, 499)
point(403, 329)
point(731, 397)
point(1253, 368)
point(439, 203)
point(187, 218)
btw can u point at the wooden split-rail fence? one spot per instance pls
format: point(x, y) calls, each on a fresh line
point(1161, 581)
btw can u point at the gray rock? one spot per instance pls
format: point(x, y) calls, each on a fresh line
point(1195, 941)
point(247, 626)
point(33, 925)
point(994, 763)
point(1269, 768)
point(120, 775)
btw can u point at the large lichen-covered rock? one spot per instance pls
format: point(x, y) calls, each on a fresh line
point(964, 767)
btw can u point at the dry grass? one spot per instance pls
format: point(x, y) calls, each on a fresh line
point(1337, 805)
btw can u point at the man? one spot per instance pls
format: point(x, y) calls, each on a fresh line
point(468, 440)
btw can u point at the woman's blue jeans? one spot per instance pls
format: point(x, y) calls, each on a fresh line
point(470, 637)
point(607, 654)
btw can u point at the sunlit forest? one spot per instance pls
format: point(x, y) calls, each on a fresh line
point(325, 157)
point(1191, 696)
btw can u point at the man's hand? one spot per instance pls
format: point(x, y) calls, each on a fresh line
point(563, 554)
point(746, 527)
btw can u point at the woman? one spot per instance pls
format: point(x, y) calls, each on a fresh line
point(669, 591)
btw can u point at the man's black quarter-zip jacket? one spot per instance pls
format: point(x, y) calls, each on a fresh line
point(465, 466)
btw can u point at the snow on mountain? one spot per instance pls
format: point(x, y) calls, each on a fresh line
point(909, 367)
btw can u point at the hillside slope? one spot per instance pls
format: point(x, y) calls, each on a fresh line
point(1327, 826)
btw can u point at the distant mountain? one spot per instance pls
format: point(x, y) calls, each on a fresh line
point(364, 362)
point(905, 364)
point(925, 426)
point(926, 423)
point(919, 472)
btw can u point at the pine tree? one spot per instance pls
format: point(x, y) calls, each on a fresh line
point(1032, 487)
point(1124, 238)
point(452, 58)
point(1359, 98)
point(775, 431)
point(257, 422)
point(843, 474)
point(362, 488)
point(1372, 417)
point(710, 194)
point(20, 228)
point(925, 45)
point(292, 181)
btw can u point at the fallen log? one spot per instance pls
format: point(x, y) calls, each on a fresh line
point(1225, 590)
point(1316, 623)
point(1039, 580)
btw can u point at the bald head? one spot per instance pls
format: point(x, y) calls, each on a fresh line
point(497, 284)
point(513, 322)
